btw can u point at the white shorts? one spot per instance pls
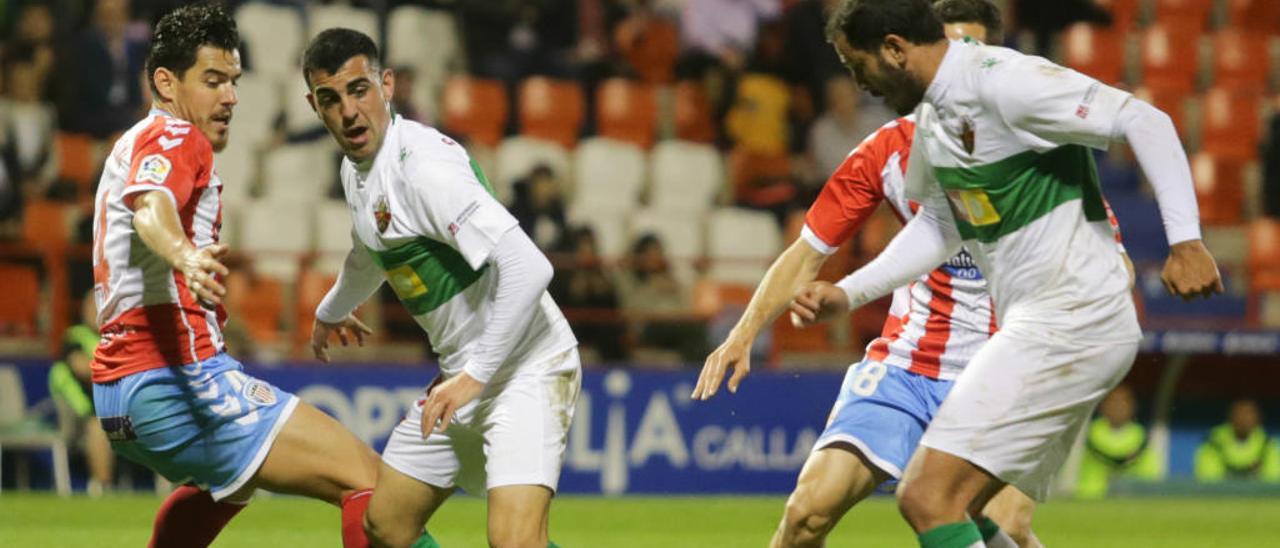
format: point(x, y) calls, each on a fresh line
point(515, 434)
point(1021, 402)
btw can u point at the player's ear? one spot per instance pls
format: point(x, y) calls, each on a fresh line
point(311, 100)
point(388, 83)
point(894, 50)
point(166, 83)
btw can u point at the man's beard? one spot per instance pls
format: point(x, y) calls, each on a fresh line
point(902, 91)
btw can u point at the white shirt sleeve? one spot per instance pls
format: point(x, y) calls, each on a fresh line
point(453, 205)
point(1048, 105)
point(357, 281)
point(522, 273)
point(1154, 140)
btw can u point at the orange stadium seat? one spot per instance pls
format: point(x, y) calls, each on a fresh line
point(476, 108)
point(651, 46)
point(21, 304)
point(76, 159)
point(309, 291)
point(1264, 255)
point(1255, 15)
point(1219, 188)
point(551, 109)
point(760, 179)
point(1172, 102)
point(1192, 13)
point(1094, 50)
point(1240, 59)
point(626, 111)
point(1124, 13)
point(257, 302)
point(44, 224)
point(1170, 56)
point(1230, 123)
point(693, 118)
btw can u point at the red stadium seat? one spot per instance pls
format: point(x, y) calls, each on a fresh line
point(551, 109)
point(1254, 15)
point(76, 159)
point(257, 301)
point(476, 108)
point(1264, 255)
point(310, 289)
point(21, 304)
point(760, 179)
point(1173, 103)
point(693, 118)
point(1191, 13)
point(626, 111)
point(1124, 13)
point(651, 45)
point(1219, 188)
point(1240, 60)
point(1230, 123)
point(44, 224)
point(1170, 57)
point(1094, 50)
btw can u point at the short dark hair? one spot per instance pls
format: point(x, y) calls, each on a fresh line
point(982, 12)
point(865, 23)
point(181, 32)
point(333, 47)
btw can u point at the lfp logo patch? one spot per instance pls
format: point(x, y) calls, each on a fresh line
point(153, 169)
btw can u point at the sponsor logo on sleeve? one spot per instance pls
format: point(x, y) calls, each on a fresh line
point(153, 169)
point(1082, 111)
point(463, 217)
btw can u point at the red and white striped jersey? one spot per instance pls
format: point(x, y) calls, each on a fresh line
point(148, 317)
point(937, 322)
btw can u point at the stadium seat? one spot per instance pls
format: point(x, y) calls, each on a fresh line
point(476, 109)
point(299, 118)
point(1094, 50)
point(1219, 188)
point(258, 109)
point(760, 179)
point(1230, 123)
point(1170, 57)
point(650, 45)
point(309, 290)
point(517, 156)
point(681, 235)
point(1240, 60)
point(276, 235)
point(1261, 16)
point(610, 228)
point(551, 109)
point(22, 428)
point(424, 39)
point(626, 111)
point(758, 119)
point(274, 38)
point(741, 243)
point(1264, 255)
point(325, 16)
point(20, 308)
point(333, 235)
point(686, 177)
point(258, 302)
point(1171, 102)
point(609, 175)
point(692, 113)
point(1193, 14)
point(77, 161)
point(300, 173)
point(46, 224)
point(1124, 13)
point(235, 167)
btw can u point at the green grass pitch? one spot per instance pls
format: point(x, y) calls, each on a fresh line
point(43, 520)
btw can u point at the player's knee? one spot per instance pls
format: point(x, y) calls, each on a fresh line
point(384, 533)
point(805, 523)
point(918, 505)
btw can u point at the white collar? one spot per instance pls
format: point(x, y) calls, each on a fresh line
point(948, 70)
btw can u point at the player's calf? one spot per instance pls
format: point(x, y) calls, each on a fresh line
point(518, 516)
point(833, 480)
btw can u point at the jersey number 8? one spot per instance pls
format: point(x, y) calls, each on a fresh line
point(867, 378)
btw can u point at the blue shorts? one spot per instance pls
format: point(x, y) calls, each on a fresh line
point(205, 423)
point(882, 411)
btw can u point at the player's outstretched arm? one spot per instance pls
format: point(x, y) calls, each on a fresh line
point(155, 219)
point(797, 265)
point(357, 280)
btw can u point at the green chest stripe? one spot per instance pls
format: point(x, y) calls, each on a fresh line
point(425, 273)
point(994, 200)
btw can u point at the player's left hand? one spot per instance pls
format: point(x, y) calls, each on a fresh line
point(1190, 271)
point(445, 399)
point(818, 302)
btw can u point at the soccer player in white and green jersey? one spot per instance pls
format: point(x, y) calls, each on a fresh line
point(1001, 164)
point(424, 219)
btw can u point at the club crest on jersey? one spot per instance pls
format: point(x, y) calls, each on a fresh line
point(382, 214)
point(967, 135)
point(259, 392)
point(153, 169)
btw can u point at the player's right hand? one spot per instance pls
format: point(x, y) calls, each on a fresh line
point(817, 302)
point(1190, 271)
point(735, 352)
point(200, 268)
point(349, 326)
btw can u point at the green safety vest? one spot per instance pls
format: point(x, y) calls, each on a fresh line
point(1117, 447)
point(1241, 458)
point(62, 382)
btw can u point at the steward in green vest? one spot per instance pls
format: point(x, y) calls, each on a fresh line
point(1240, 449)
point(1115, 446)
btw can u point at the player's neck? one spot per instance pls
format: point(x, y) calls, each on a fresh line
point(169, 108)
point(929, 60)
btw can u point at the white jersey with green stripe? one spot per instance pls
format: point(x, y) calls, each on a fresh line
point(1006, 138)
point(425, 214)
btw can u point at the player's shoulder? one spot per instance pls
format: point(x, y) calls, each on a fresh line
point(424, 143)
point(161, 133)
point(894, 136)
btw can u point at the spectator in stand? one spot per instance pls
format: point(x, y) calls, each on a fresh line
point(659, 304)
point(27, 123)
point(511, 39)
point(588, 296)
point(34, 29)
point(71, 387)
point(1239, 449)
point(1115, 446)
point(839, 129)
point(538, 205)
point(811, 61)
point(1271, 169)
point(402, 97)
point(1045, 19)
point(99, 89)
point(718, 36)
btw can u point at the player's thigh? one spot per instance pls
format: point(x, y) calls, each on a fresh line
point(315, 456)
point(518, 514)
point(526, 429)
point(937, 480)
point(401, 504)
point(833, 479)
